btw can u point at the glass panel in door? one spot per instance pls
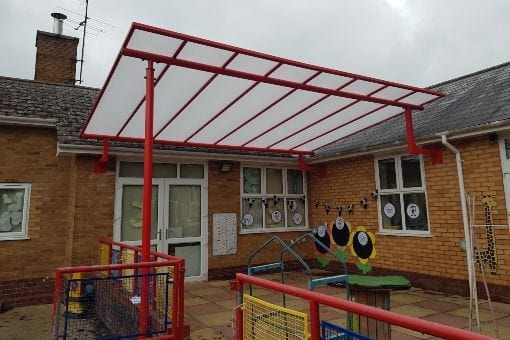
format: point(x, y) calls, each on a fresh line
point(131, 221)
point(184, 235)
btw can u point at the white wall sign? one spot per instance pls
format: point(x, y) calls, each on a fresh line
point(224, 234)
point(413, 210)
point(389, 210)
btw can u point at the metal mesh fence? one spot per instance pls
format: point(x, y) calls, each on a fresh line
point(330, 331)
point(102, 307)
point(263, 320)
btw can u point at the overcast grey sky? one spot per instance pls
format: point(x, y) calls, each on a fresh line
point(418, 42)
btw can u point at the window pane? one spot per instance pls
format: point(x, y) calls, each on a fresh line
point(507, 148)
point(159, 170)
point(131, 169)
point(12, 203)
point(387, 175)
point(164, 170)
point(274, 181)
point(274, 213)
point(131, 221)
point(191, 252)
point(184, 211)
point(411, 173)
point(416, 211)
point(390, 212)
point(251, 180)
point(192, 171)
point(294, 181)
point(295, 212)
point(252, 213)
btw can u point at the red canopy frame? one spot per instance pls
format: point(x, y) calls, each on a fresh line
point(200, 93)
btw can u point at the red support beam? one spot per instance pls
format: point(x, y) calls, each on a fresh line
point(436, 154)
point(128, 52)
point(305, 167)
point(147, 195)
point(100, 164)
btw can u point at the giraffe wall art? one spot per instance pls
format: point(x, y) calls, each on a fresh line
point(488, 257)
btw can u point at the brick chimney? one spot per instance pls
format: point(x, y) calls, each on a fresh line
point(56, 55)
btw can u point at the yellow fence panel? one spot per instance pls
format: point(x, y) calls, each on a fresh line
point(263, 320)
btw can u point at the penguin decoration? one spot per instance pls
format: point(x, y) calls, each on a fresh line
point(364, 202)
point(321, 234)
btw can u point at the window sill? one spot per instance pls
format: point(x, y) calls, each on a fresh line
point(14, 238)
point(403, 234)
point(272, 230)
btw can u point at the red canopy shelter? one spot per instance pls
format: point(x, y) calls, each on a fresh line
point(170, 88)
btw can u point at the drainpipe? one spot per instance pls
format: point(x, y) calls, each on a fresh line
point(469, 248)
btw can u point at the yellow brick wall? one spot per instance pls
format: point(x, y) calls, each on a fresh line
point(350, 179)
point(28, 156)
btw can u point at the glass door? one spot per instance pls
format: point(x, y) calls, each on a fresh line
point(183, 226)
point(130, 207)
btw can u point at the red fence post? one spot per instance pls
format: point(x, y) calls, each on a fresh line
point(315, 320)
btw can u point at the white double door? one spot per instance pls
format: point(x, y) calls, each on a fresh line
point(179, 219)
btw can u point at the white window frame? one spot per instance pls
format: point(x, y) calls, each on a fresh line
point(263, 194)
point(400, 190)
point(23, 234)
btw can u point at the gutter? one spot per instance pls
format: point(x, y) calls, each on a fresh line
point(72, 149)
point(24, 121)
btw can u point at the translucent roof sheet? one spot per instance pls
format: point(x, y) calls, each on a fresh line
point(213, 95)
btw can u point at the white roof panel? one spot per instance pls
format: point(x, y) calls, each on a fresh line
point(208, 94)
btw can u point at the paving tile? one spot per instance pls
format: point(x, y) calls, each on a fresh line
point(207, 291)
point(407, 333)
point(190, 286)
point(227, 304)
point(461, 300)
point(484, 315)
point(488, 328)
point(404, 299)
point(226, 330)
point(413, 310)
point(207, 308)
point(497, 307)
point(220, 297)
point(193, 323)
point(448, 319)
point(206, 334)
point(220, 283)
point(440, 306)
point(193, 301)
point(216, 319)
point(505, 322)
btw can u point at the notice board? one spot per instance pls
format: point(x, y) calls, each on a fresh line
point(224, 234)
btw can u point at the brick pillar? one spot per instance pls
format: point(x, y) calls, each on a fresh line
point(56, 58)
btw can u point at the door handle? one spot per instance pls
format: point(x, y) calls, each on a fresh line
point(159, 234)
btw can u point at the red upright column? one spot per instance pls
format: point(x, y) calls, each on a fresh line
point(147, 195)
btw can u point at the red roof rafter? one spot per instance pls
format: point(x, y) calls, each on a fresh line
point(213, 95)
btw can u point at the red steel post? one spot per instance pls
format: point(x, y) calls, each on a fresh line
point(315, 320)
point(147, 195)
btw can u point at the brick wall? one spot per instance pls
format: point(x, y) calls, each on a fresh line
point(28, 156)
point(224, 197)
point(55, 58)
point(93, 209)
point(439, 255)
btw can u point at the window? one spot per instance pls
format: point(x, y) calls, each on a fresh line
point(272, 199)
point(14, 211)
point(402, 199)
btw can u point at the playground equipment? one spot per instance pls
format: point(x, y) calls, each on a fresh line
point(103, 301)
point(289, 248)
point(243, 314)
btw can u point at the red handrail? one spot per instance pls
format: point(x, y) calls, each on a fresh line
point(424, 326)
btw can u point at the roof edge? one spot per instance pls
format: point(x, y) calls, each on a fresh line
point(435, 138)
point(50, 84)
point(70, 149)
point(488, 69)
point(24, 121)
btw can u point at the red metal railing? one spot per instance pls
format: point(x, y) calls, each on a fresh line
point(156, 260)
point(316, 299)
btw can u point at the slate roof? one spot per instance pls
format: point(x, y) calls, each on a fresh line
point(69, 106)
point(471, 101)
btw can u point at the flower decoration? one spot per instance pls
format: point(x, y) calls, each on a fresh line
point(363, 246)
point(340, 232)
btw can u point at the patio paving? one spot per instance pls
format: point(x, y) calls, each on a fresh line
point(209, 310)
